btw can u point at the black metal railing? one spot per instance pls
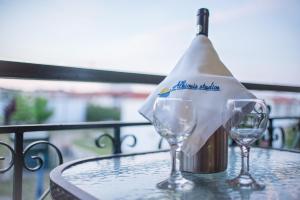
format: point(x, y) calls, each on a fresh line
point(59, 73)
point(32, 71)
point(18, 152)
point(277, 133)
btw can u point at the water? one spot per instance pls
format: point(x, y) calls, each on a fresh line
point(246, 136)
point(175, 136)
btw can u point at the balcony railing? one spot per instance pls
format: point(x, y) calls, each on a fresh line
point(58, 73)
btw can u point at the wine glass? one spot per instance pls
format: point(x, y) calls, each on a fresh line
point(174, 119)
point(246, 120)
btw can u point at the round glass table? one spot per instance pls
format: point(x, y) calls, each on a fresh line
point(134, 176)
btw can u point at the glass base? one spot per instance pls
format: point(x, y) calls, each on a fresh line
point(245, 181)
point(181, 184)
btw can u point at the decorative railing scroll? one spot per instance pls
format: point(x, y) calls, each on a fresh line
point(11, 161)
point(39, 160)
point(115, 144)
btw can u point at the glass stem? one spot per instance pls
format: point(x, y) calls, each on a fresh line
point(175, 171)
point(245, 160)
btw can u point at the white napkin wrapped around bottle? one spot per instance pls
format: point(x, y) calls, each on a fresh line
point(202, 77)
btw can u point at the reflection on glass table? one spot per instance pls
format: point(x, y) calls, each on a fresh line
point(136, 176)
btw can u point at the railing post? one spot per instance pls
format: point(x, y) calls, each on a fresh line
point(117, 139)
point(270, 130)
point(18, 166)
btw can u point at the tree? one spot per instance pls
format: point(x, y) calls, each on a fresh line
point(42, 112)
point(99, 113)
point(24, 112)
point(31, 110)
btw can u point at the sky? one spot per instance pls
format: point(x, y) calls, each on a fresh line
point(257, 40)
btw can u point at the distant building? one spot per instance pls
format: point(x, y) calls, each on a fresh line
point(71, 106)
point(285, 106)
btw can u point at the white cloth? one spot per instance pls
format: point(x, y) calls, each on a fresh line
point(202, 77)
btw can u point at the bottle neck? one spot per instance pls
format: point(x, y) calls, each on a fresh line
point(202, 21)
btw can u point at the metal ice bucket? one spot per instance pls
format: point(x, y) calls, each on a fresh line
point(211, 158)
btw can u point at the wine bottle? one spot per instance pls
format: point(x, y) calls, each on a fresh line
point(202, 21)
point(212, 157)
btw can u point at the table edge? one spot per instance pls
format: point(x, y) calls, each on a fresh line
point(56, 179)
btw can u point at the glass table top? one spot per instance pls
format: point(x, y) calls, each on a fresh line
point(135, 177)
